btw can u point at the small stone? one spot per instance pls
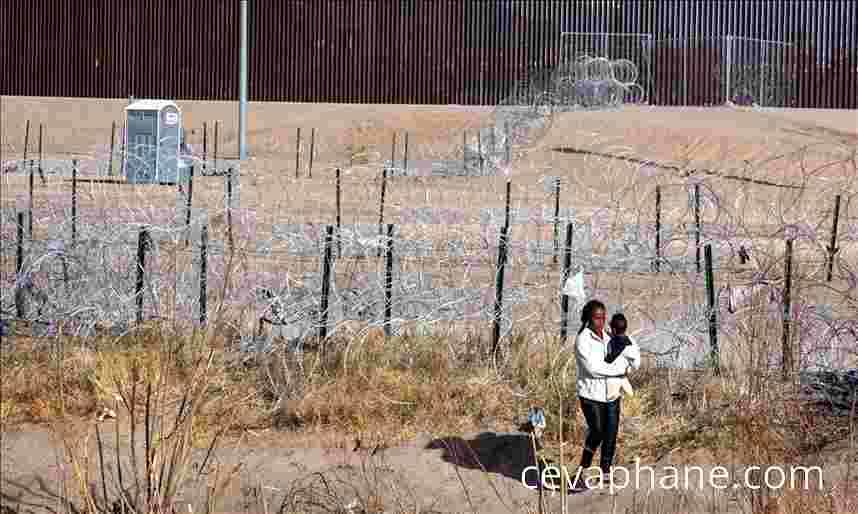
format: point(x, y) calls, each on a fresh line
point(631, 424)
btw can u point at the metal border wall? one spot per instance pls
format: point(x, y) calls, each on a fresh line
point(408, 51)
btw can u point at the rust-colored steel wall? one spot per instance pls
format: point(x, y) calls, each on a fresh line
point(425, 51)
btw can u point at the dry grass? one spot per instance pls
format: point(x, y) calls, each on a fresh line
point(385, 391)
point(412, 385)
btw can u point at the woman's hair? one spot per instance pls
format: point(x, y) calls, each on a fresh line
point(587, 313)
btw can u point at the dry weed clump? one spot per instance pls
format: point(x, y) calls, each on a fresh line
point(167, 396)
point(391, 389)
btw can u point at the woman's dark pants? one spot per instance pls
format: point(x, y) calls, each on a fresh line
point(603, 420)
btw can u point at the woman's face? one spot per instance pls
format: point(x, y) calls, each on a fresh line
point(599, 317)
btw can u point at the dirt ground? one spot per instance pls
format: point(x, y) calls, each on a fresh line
point(600, 156)
point(785, 147)
point(429, 475)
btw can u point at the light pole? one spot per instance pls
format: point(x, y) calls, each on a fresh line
point(242, 82)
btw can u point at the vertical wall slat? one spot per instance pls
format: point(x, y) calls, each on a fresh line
point(418, 51)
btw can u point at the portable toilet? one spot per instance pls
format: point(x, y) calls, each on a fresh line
point(153, 138)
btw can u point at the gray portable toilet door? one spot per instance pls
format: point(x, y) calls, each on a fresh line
point(157, 170)
point(169, 134)
point(142, 134)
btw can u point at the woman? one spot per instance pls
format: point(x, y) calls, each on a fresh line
point(602, 414)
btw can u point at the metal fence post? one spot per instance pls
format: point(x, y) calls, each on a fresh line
point(74, 202)
point(312, 149)
point(697, 225)
point(339, 218)
point(30, 212)
point(26, 141)
point(189, 205)
point(204, 245)
point(381, 207)
point(19, 262)
point(786, 347)
point(564, 299)
point(832, 248)
point(112, 141)
point(141, 267)
point(388, 282)
point(499, 279)
point(657, 263)
point(326, 284)
point(713, 321)
point(229, 209)
point(556, 219)
point(405, 158)
point(297, 151)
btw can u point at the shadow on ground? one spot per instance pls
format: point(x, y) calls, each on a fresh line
point(505, 454)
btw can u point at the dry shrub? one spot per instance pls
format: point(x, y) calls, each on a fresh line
point(170, 396)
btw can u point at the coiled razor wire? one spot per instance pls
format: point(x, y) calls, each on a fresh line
point(93, 282)
point(525, 117)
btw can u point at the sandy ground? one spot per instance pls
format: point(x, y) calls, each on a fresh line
point(597, 154)
point(755, 144)
point(429, 475)
point(783, 147)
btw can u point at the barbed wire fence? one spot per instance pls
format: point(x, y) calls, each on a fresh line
point(93, 280)
point(82, 284)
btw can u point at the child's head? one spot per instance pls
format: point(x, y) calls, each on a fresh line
point(618, 324)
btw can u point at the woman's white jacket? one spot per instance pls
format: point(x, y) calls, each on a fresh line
point(593, 371)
